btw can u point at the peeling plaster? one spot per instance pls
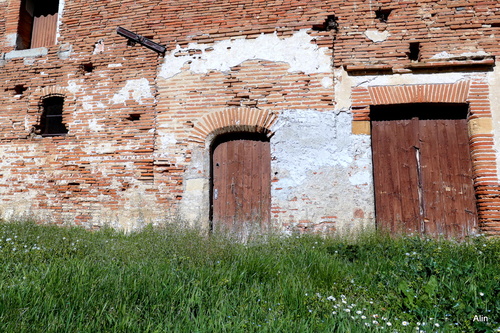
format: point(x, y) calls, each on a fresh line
point(446, 55)
point(494, 85)
point(136, 89)
point(400, 79)
point(377, 36)
point(73, 86)
point(317, 161)
point(327, 82)
point(10, 40)
point(297, 51)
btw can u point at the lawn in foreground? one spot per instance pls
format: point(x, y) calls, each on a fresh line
point(55, 279)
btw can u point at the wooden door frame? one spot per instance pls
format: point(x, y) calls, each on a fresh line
point(219, 139)
point(414, 126)
point(205, 130)
point(475, 93)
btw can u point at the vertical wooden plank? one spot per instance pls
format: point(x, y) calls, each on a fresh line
point(382, 181)
point(464, 174)
point(241, 177)
point(232, 183)
point(449, 193)
point(409, 175)
point(265, 184)
point(432, 175)
point(395, 175)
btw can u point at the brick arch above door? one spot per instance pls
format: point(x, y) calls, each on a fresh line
point(475, 93)
point(232, 120)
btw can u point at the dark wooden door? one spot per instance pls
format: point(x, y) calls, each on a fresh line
point(241, 184)
point(423, 175)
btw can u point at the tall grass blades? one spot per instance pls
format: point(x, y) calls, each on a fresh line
point(56, 279)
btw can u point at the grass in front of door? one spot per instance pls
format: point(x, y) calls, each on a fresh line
point(165, 280)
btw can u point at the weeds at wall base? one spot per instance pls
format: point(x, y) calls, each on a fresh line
point(166, 279)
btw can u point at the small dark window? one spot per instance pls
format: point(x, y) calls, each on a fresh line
point(37, 23)
point(414, 52)
point(51, 121)
point(383, 14)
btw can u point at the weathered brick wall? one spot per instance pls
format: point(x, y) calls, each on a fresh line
point(129, 157)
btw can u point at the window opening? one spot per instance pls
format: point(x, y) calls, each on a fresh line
point(37, 23)
point(414, 54)
point(134, 116)
point(51, 121)
point(383, 14)
point(87, 67)
point(331, 23)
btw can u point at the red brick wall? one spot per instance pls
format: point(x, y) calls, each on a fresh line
point(107, 163)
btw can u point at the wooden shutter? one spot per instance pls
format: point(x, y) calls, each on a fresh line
point(44, 30)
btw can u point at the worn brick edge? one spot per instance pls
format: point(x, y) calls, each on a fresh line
point(233, 120)
point(474, 92)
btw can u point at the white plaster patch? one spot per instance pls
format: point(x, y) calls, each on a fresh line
point(297, 51)
point(320, 140)
point(115, 65)
point(167, 140)
point(494, 87)
point(360, 178)
point(446, 55)
point(327, 82)
point(73, 86)
point(59, 18)
point(94, 125)
point(10, 40)
point(377, 36)
point(136, 89)
point(398, 79)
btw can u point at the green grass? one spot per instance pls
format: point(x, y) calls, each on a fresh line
point(56, 279)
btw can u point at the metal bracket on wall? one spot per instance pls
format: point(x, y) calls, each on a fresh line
point(135, 38)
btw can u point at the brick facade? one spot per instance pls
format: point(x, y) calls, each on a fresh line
point(140, 123)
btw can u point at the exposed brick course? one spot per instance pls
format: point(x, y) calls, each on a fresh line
point(132, 129)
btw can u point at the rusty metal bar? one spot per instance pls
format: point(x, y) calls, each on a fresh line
point(135, 38)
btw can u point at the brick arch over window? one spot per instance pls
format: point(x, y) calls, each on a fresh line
point(475, 93)
point(233, 120)
point(36, 101)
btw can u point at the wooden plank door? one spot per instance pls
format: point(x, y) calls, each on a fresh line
point(241, 184)
point(449, 197)
point(423, 176)
point(396, 178)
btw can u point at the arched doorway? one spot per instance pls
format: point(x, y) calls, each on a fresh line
point(422, 169)
point(240, 183)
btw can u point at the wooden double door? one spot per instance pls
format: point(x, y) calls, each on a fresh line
point(241, 183)
point(422, 170)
